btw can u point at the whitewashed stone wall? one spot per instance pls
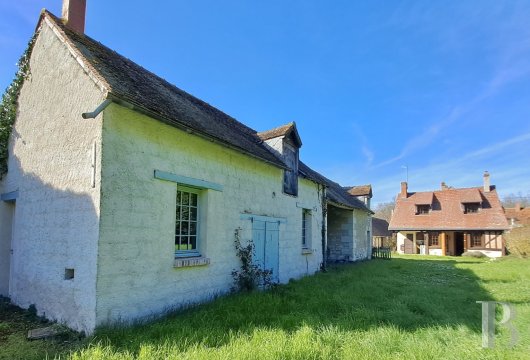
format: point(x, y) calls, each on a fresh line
point(362, 242)
point(57, 211)
point(136, 276)
point(348, 238)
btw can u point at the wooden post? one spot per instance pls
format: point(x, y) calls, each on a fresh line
point(426, 242)
point(444, 247)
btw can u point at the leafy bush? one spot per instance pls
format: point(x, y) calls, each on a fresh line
point(249, 276)
point(475, 254)
point(9, 105)
point(518, 241)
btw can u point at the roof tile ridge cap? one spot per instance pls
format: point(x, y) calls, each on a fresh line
point(92, 72)
point(192, 97)
point(290, 124)
point(166, 82)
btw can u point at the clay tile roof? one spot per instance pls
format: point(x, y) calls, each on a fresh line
point(380, 227)
point(360, 190)
point(129, 82)
point(284, 130)
point(471, 196)
point(448, 214)
point(520, 216)
point(422, 198)
point(334, 192)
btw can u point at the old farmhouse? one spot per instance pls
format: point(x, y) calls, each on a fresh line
point(123, 192)
point(449, 221)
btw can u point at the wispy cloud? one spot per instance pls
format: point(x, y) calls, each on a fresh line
point(512, 65)
point(366, 150)
point(509, 158)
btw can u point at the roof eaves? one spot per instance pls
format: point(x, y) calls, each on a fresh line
point(499, 228)
point(105, 87)
point(130, 104)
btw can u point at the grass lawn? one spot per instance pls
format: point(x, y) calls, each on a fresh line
point(408, 308)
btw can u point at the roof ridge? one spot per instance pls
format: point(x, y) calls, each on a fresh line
point(59, 29)
point(69, 32)
point(124, 79)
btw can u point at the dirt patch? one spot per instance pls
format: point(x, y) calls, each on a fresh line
point(15, 323)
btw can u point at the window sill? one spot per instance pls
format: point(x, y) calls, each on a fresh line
point(307, 251)
point(191, 261)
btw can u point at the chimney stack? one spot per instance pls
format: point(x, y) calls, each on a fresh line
point(518, 206)
point(404, 189)
point(487, 186)
point(444, 186)
point(74, 15)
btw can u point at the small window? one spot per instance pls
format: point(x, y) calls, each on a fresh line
point(187, 223)
point(434, 239)
point(471, 208)
point(306, 229)
point(422, 209)
point(476, 239)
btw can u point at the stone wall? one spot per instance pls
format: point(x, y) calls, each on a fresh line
point(136, 273)
point(348, 238)
point(56, 215)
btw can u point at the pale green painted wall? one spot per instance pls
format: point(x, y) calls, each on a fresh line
point(135, 265)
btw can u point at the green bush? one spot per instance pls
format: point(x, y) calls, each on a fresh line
point(518, 241)
point(475, 254)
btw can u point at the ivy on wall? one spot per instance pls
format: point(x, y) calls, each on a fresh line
point(9, 105)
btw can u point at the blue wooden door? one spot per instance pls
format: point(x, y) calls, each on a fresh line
point(272, 237)
point(258, 237)
point(265, 236)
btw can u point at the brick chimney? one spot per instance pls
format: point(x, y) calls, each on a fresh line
point(487, 186)
point(404, 189)
point(518, 206)
point(74, 14)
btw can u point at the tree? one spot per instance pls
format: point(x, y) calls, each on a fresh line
point(384, 210)
point(510, 200)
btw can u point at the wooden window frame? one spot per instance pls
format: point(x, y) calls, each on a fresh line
point(423, 207)
point(179, 220)
point(469, 208)
point(432, 237)
point(473, 236)
point(306, 228)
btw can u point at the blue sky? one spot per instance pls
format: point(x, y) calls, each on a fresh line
point(442, 87)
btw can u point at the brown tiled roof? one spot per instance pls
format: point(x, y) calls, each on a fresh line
point(380, 227)
point(471, 196)
point(360, 190)
point(283, 130)
point(447, 212)
point(334, 192)
point(520, 216)
point(422, 198)
point(129, 82)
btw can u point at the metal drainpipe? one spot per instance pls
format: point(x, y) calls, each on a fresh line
point(324, 216)
point(100, 108)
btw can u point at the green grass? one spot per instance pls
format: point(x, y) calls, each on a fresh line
point(407, 308)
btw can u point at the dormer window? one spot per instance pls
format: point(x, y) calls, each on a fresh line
point(471, 208)
point(285, 142)
point(423, 209)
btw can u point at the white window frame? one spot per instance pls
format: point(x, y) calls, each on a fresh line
point(195, 252)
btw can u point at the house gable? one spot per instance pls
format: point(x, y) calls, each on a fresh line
point(54, 166)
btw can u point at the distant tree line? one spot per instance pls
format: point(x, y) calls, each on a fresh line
point(384, 210)
point(510, 200)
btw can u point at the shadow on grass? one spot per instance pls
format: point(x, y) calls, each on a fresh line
point(405, 293)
